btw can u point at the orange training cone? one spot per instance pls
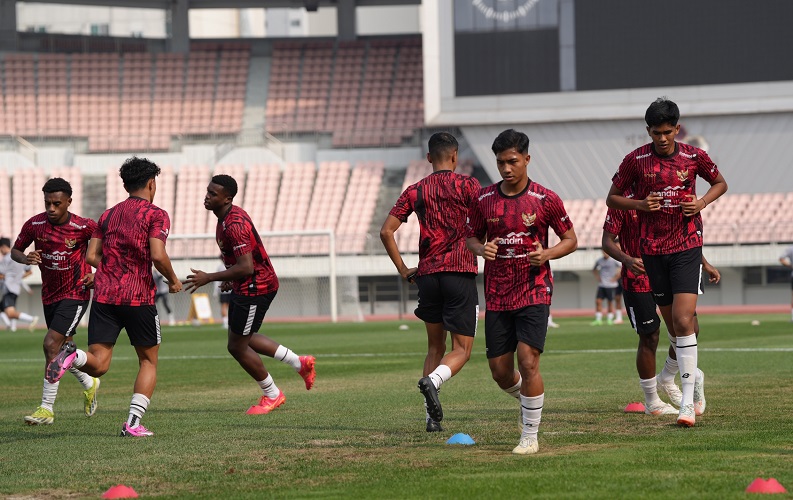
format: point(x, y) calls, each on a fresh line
point(120, 491)
point(634, 408)
point(761, 485)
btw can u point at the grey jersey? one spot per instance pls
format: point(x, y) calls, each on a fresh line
point(14, 272)
point(609, 270)
point(789, 256)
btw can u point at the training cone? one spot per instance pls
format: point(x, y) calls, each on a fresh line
point(120, 491)
point(460, 439)
point(634, 408)
point(760, 485)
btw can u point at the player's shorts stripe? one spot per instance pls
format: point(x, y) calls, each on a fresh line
point(74, 321)
point(157, 326)
point(249, 322)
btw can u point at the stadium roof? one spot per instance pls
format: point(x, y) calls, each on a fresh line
point(225, 4)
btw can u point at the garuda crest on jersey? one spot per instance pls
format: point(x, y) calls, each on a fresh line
point(70, 243)
point(682, 175)
point(528, 219)
point(220, 244)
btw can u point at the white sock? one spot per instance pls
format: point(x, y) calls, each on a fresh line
point(48, 394)
point(672, 341)
point(514, 391)
point(619, 314)
point(441, 374)
point(687, 361)
point(650, 388)
point(791, 315)
point(531, 409)
point(285, 355)
point(670, 370)
point(225, 321)
point(598, 316)
point(27, 318)
point(269, 389)
point(13, 325)
point(81, 359)
point(85, 380)
point(4, 317)
point(137, 408)
point(610, 316)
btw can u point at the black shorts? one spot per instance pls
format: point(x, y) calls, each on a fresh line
point(618, 290)
point(9, 300)
point(225, 298)
point(605, 293)
point(142, 324)
point(247, 313)
point(504, 329)
point(451, 299)
point(642, 312)
point(64, 316)
point(674, 273)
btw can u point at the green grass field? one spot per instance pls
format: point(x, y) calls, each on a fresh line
point(360, 432)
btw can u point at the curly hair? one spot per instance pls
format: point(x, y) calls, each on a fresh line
point(227, 182)
point(57, 185)
point(136, 172)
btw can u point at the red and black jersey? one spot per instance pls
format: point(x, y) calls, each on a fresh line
point(674, 178)
point(63, 248)
point(517, 222)
point(236, 235)
point(124, 274)
point(440, 201)
point(625, 224)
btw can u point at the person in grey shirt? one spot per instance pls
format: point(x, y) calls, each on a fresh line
point(161, 295)
point(607, 272)
point(13, 273)
point(786, 259)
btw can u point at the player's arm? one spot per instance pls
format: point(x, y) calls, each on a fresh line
point(717, 188)
point(610, 246)
point(242, 268)
point(568, 243)
point(162, 263)
point(390, 226)
point(616, 200)
point(785, 261)
point(714, 276)
point(31, 259)
point(94, 253)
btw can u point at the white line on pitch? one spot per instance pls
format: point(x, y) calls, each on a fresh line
point(398, 354)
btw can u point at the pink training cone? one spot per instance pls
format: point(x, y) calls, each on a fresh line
point(761, 485)
point(634, 408)
point(120, 491)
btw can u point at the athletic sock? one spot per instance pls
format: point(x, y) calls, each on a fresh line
point(650, 388)
point(48, 394)
point(4, 317)
point(687, 361)
point(672, 341)
point(667, 375)
point(85, 380)
point(619, 314)
point(531, 409)
point(81, 359)
point(285, 355)
point(27, 318)
point(269, 389)
point(598, 316)
point(610, 316)
point(441, 374)
point(137, 408)
point(514, 391)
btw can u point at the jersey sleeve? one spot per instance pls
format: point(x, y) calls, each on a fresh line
point(626, 173)
point(25, 237)
point(238, 234)
point(558, 218)
point(475, 223)
point(614, 219)
point(160, 225)
point(402, 208)
point(705, 167)
point(90, 228)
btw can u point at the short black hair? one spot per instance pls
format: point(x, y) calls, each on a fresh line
point(661, 111)
point(509, 139)
point(228, 183)
point(441, 145)
point(57, 185)
point(5, 242)
point(136, 172)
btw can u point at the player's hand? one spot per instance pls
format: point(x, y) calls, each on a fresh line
point(652, 203)
point(693, 206)
point(538, 257)
point(226, 286)
point(175, 287)
point(34, 258)
point(87, 280)
point(635, 265)
point(196, 280)
point(490, 249)
point(714, 276)
point(409, 274)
